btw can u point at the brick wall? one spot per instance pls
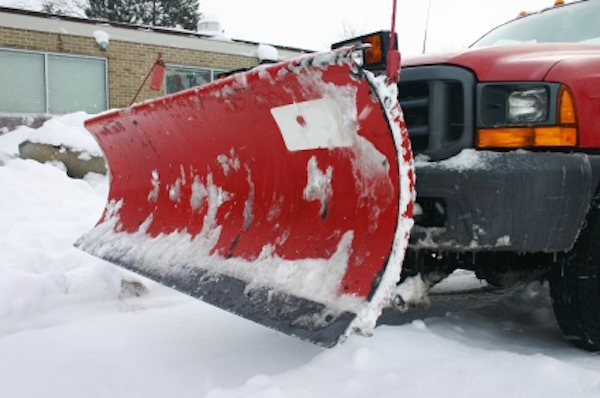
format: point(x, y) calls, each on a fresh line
point(128, 62)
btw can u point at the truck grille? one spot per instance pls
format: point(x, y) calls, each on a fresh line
point(438, 103)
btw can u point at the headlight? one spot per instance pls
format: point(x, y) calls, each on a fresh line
point(510, 104)
point(525, 115)
point(527, 106)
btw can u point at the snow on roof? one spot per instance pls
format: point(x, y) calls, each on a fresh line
point(152, 35)
point(267, 53)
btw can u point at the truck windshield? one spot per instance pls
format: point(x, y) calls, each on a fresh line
point(573, 23)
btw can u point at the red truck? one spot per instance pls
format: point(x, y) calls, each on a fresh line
point(506, 138)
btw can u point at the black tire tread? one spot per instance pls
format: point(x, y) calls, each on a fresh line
point(575, 286)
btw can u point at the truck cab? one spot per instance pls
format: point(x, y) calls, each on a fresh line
point(506, 139)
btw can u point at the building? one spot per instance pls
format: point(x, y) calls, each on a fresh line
point(56, 64)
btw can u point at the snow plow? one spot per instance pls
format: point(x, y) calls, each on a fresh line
point(282, 194)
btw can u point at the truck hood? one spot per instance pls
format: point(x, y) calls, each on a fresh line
point(507, 63)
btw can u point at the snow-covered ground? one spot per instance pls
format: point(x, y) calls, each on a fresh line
point(71, 327)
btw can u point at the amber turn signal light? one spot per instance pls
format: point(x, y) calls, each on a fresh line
point(566, 107)
point(523, 137)
point(374, 53)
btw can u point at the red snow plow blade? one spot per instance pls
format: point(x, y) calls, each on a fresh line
point(282, 194)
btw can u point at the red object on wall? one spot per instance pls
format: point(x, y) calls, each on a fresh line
point(158, 75)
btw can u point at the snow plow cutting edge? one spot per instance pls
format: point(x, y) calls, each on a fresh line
point(282, 194)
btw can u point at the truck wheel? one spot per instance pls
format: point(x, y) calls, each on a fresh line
point(575, 286)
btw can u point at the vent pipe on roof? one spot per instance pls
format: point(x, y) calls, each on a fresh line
point(209, 27)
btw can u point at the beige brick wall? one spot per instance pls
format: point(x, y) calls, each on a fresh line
point(128, 63)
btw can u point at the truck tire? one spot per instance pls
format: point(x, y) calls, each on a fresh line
point(575, 285)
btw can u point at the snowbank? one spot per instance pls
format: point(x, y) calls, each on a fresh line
point(66, 130)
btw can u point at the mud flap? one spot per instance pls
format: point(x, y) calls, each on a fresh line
point(282, 194)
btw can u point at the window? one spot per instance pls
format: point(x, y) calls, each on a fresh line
point(76, 83)
point(51, 83)
point(183, 77)
point(23, 82)
point(571, 23)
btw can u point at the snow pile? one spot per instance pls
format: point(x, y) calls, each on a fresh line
point(66, 131)
point(43, 213)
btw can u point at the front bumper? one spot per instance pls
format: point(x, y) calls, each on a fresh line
point(505, 201)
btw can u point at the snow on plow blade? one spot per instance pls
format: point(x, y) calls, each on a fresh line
point(282, 194)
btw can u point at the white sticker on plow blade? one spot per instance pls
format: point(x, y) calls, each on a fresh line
point(314, 124)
